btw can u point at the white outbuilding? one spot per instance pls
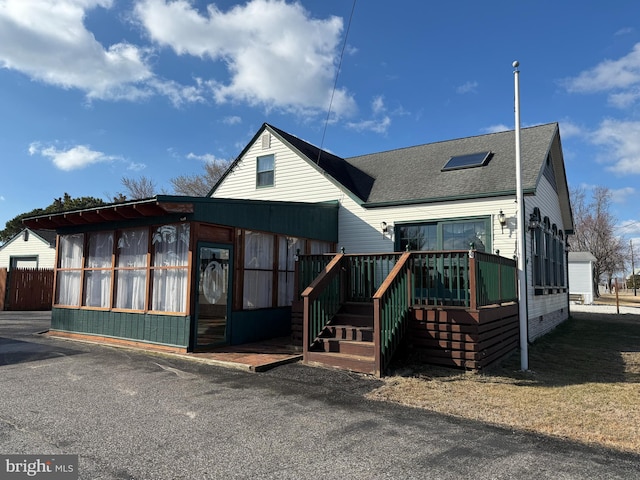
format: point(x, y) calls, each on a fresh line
point(581, 277)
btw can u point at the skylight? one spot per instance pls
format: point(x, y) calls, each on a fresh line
point(469, 160)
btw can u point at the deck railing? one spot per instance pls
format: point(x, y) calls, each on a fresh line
point(394, 282)
point(391, 312)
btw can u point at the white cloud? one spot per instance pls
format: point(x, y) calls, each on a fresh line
point(468, 87)
point(136, 167)
point(380, 122)
point(621, 140)
point(379, 125)
point(621, 77)
point(276, 54)
point(72, 158)
point(47, 40)
point(569, 129)
point(377, 105)
point(207, 157)
point(232, 120)
point(620, 195)
point(500, 127)
point(624, 31)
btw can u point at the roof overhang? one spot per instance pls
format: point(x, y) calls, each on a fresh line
point(152, 207)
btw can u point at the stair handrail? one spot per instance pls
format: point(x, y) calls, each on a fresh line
point(315, 319)
point(390, 319)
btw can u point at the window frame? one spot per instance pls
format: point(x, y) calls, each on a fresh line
point(113, 269)
point(439, 224)
point(268, 173)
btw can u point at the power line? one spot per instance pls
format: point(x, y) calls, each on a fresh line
point(335, 82)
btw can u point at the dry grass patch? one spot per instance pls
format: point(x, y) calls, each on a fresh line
point(584, 384)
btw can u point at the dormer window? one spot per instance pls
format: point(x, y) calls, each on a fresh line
point(264, 171)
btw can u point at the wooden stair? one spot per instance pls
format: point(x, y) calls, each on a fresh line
point(347, 341)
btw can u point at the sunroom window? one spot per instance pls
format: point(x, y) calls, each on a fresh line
point(97, 274)
point(169, 268)
point(131, 269)
point(69, 272)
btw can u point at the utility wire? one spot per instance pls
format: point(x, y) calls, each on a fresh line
point(335, 82)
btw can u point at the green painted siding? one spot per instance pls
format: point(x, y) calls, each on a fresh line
point(161, 329)
point(255, 325)
point(318, 221)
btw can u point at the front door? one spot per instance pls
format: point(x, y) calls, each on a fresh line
point(214, 296)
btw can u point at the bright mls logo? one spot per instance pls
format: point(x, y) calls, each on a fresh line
point(50, 467)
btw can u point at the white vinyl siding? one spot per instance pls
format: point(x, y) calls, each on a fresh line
point(581, 280)
point(33, 247)
point(359, 230)
point(545, 311)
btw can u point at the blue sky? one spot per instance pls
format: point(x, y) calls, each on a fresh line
point(94, 90)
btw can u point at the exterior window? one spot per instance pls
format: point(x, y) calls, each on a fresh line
point(548, 256)
point(287, 247)
point(419, 237)
point(548, 281)
point(69, 269)
point(169, 268)
point(265, 167)
point(97, 273)
point(258, 270)
point(131, 269)
point(445, 235)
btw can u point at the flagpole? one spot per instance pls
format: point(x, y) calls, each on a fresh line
point(522, 285)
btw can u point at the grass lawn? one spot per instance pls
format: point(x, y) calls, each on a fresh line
point(583, 384)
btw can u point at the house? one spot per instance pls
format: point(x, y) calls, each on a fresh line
point(188, 273)
point(26, 270)
point(29, 249)
point(582, 281)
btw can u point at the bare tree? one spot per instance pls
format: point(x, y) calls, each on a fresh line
point(200, 185)
point(136, 189)
point(593, 231)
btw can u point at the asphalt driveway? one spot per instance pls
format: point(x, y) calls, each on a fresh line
point(137, 415)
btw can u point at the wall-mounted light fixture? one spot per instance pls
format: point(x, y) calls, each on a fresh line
point(534, 222)
point(502, 219)
point(384, 227)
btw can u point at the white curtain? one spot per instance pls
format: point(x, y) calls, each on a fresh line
point(68, 281)
point(287, 250)
point(97, 283)
point(170, 250)
point(258, 273)
point(131, 273)
point(318, 247)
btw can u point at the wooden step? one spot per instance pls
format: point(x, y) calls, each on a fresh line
point(348, 332)
point(353, 363)
point(348, 347)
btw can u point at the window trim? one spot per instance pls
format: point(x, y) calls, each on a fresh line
point(439, 223)
point(260, 173)
point(148, 268)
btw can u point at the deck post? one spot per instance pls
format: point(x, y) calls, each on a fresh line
point(473, 281)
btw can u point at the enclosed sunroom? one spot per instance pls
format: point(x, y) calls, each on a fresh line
point(183, 273)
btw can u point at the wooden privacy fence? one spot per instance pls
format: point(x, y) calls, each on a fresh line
point(28, 289)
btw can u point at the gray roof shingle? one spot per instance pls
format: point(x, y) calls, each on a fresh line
point(414, 174)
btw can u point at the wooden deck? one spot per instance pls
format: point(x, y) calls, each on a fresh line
point(457, 308)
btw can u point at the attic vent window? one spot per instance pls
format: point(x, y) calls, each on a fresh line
point(266, 141)
point(470, 160)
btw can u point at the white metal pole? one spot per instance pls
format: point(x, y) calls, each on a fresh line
point(522, 285)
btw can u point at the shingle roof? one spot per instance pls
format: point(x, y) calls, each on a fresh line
point(353, 179)
point(581, 257)
point(413, 174)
